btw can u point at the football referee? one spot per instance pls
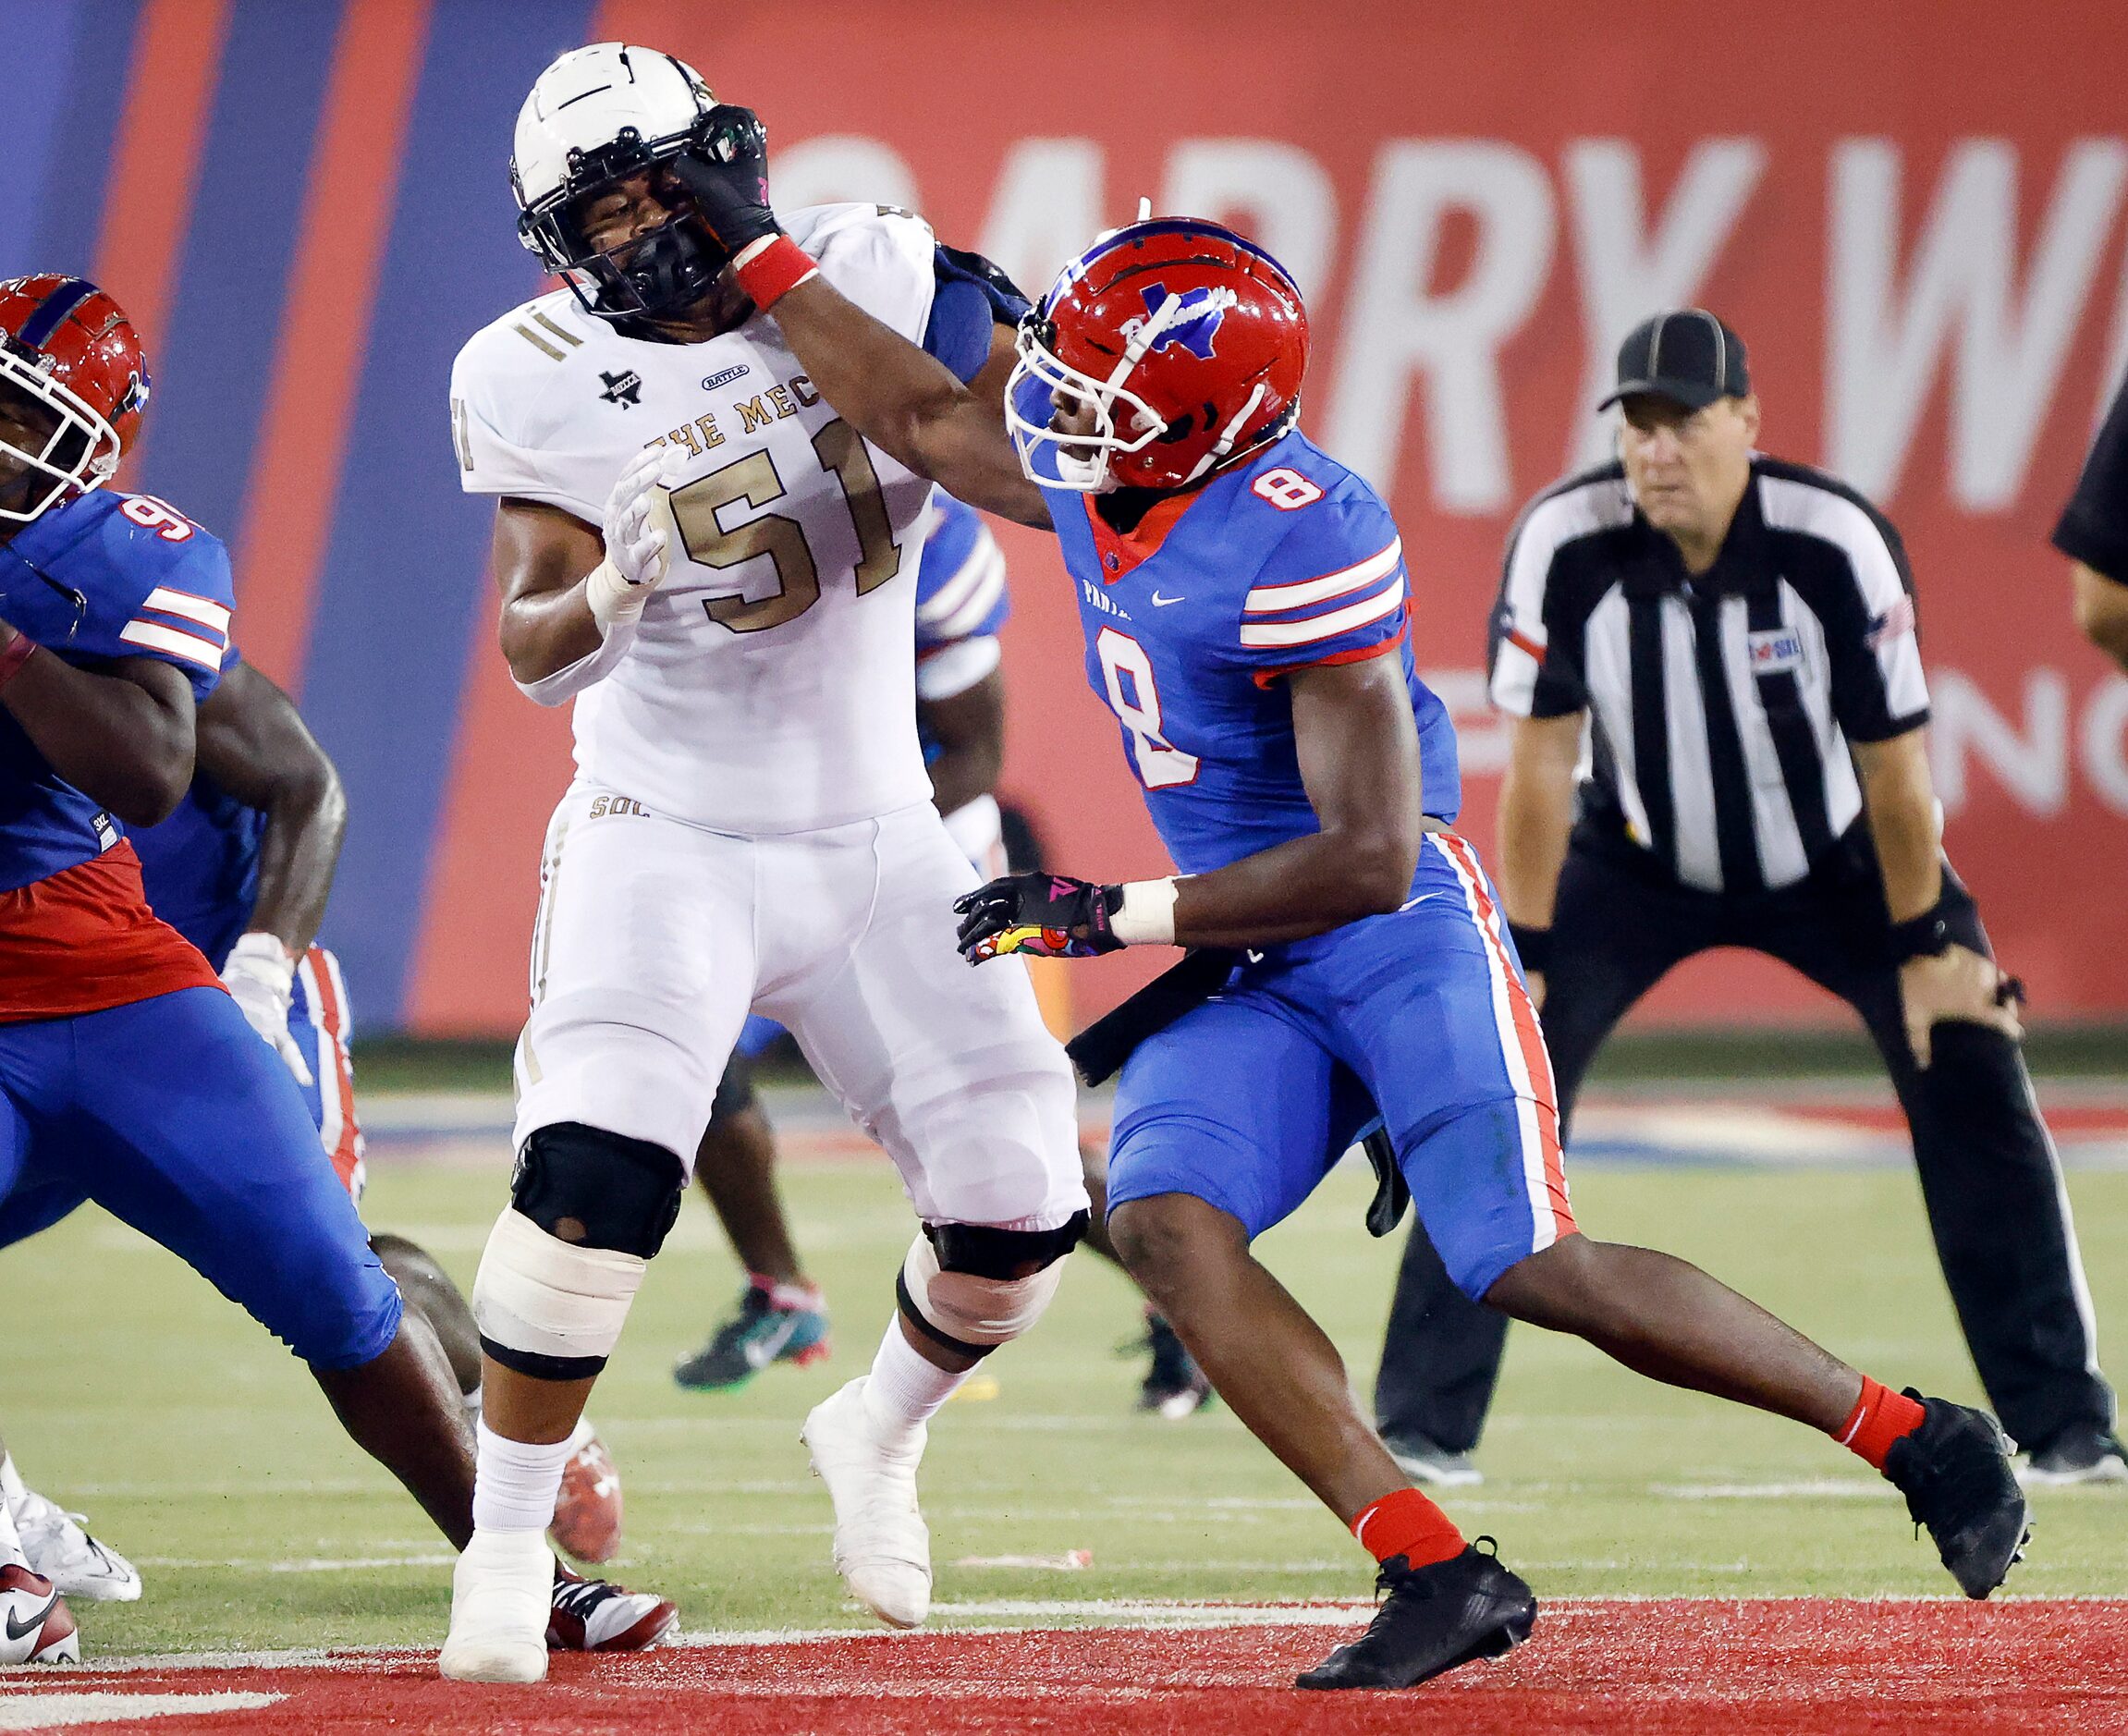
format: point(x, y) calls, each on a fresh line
point(1719, 649)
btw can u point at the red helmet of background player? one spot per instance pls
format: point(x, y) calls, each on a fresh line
point(1187, 342)
point(69, 349)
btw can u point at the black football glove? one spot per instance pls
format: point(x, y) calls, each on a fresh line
point(724, 166)
point(1051, 916)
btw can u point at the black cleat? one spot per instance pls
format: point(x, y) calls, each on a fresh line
point(1955, 1471)
point(1174, 1386)
point(1432, 1619)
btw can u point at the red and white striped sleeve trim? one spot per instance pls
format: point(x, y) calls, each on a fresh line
point(203, 639)
point(1363, 594)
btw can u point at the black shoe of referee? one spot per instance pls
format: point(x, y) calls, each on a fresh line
point(1431, 1619)
point(1955, 1471)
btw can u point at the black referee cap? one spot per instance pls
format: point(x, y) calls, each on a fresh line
point(1688, 356)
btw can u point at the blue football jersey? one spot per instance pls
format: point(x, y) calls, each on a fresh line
point(960, 585)
point(961, 605)
point(106, 576)
point(200, 866)
point(1288, 561)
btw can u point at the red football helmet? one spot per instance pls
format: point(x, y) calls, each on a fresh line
point(1199, 335)
point(68, 350)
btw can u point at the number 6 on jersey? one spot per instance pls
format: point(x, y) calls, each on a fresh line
point(1127, 675)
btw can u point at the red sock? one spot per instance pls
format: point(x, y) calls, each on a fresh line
point(1404, 1523)
point(1880, 1416)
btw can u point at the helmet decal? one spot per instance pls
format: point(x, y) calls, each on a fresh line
point(1194, 321)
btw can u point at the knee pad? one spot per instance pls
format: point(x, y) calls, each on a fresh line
point(565, 1259)
point(969, 1287)
point(598, 1190)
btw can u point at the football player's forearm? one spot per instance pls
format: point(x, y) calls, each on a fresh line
point(907, 402)
point(297, 858)
point(122, 743)
point(1303, 887)
point(546, 633)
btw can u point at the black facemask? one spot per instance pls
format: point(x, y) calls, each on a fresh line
point(662, 272)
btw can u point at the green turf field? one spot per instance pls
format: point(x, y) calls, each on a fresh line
point(201, 1450)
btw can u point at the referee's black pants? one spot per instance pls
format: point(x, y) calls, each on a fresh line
point(1990, 1179)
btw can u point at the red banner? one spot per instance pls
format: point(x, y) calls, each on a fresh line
point(1912, 212)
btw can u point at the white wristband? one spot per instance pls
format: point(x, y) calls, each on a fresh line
point(1147, 915)
point(611, 598)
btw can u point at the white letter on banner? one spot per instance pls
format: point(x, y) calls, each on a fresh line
point(2033, 766)
point(1395, 328)
point(833, 167)
point(1047, 210)
point(2105, 718)
point(1885, 347)
point(1284, 199)
point(1626, 276)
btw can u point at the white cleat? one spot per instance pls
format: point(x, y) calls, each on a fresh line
point(37, 1625)
point(882, 1550)
point(502, 1594)
point(60, 1549)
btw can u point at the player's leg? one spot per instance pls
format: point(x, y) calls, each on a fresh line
point(641, 964)
point(1225, 1123)
point(1614, 935)
point(952, 1071)
point(781, 1317)
point(1454, 1058)
point(1992, 1185)
point(190, 1129)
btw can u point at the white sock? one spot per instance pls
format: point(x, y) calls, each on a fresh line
point(12, 1490)
point(905, 1390)
point(515, 1482)
point(582, 1435)
point(471, 1400)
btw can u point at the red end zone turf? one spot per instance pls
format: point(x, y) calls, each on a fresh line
point(1734, 1669)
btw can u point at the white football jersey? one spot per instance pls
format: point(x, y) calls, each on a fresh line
point(771, 688)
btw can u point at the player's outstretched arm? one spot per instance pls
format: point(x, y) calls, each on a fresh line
point(254, 744)
point(122, 736)
point(1359, 752)
point(907, 403)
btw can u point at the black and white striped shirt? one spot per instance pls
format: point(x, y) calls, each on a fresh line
point(1722, 704)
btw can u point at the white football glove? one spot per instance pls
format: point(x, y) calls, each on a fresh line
point(635, 542)
point(261, 976)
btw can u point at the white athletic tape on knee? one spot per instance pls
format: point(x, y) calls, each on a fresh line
point(546, 1297)
point(971, 1310)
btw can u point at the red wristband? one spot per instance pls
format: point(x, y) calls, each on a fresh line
point(20, 650)
point(771, 269)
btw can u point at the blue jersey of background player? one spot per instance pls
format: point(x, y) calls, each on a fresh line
point(1158, 382)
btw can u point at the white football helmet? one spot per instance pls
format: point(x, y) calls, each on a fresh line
point(597, 116)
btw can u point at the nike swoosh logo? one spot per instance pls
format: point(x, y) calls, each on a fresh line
point(761, 1352)
point(1160, 602)
point(16, 1630)
point(1420, 899)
